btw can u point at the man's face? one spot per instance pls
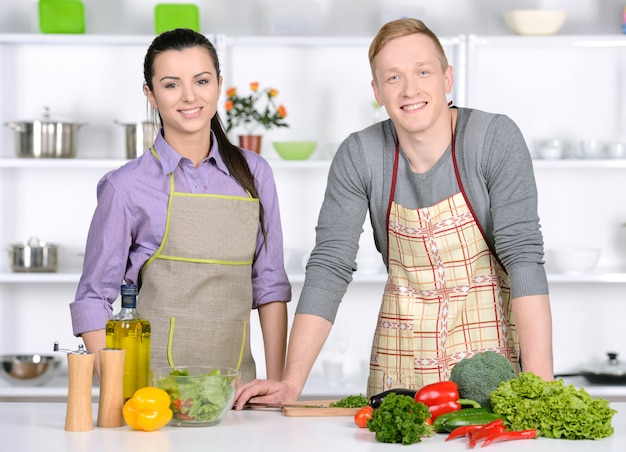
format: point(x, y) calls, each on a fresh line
point(411, 83)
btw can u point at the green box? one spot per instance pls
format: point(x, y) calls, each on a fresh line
point(61, 16)
point(168, 16)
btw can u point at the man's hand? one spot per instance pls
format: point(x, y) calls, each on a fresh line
point(265, 391)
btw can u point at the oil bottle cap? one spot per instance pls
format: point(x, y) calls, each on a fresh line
point(129, 289)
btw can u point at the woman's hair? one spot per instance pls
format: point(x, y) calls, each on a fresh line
point(399, 28)
point(181, 39)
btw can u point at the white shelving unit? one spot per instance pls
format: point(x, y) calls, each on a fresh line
point(324, 82)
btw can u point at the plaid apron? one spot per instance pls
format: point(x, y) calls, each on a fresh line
point(196, 290)
point(447, 296)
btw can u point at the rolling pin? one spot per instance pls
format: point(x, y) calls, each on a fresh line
point(111, 402)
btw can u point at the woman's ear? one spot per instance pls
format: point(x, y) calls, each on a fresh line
point(150, 96)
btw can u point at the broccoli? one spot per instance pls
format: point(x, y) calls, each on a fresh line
point(481, 374)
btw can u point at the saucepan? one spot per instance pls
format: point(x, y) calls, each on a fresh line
point(139, 137)
point(34, 255)
point(611, 372)
point(45, 137)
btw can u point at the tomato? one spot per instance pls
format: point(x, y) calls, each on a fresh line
point(361, 416)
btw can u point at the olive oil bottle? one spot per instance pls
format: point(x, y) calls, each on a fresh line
point(129, 331)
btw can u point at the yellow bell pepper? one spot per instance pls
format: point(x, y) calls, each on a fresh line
point(148, 409)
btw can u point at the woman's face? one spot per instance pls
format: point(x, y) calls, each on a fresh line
point(186, 89)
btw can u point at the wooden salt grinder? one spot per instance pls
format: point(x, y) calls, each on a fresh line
point(79, 417)
point(111, 402)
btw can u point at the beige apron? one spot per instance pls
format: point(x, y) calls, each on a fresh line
point(196, 290)
point(447, 296)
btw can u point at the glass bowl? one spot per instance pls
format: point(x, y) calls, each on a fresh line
point(200, 395)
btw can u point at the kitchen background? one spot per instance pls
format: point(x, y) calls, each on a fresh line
point(571, 86)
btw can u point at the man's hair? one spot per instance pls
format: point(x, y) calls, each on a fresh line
point(399, 28)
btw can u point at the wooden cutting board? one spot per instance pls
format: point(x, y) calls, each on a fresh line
point(310, 408)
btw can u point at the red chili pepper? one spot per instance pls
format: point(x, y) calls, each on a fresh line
point(442, 397)
point(506, 436)
point(463, 431)
point(496, 426)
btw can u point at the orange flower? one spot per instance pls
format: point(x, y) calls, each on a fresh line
point(256, 109)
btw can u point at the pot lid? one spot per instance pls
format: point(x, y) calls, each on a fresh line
point(138, 123)
point(33, 242)
point(612, 366)
point(47, 119)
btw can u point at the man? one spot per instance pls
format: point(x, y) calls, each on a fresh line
point(453, 204)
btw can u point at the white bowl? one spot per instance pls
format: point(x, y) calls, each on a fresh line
point(551, 149)
point(535, 21)
point(573, 260)
point(616, 150)
point(592, 149)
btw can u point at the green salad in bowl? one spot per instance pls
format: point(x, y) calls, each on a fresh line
point(199, 395)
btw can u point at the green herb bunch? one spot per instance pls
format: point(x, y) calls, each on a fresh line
point(553, 409)
point(400, 419)
point(353, 401)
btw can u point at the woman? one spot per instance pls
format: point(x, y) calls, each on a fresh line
point(194, 222)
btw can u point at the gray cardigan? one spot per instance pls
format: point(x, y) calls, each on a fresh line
point(496, 172)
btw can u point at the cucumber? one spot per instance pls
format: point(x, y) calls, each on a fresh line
point(441, 420)
point(474, 419)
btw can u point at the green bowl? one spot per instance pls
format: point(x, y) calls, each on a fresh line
point(295, 150)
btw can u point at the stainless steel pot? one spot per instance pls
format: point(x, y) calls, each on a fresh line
point(139, 137)
point(34, 256)
point(612, 372)
point(45, 138)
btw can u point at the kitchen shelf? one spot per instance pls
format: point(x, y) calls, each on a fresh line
point(312, 41)
point(40, 278)
point(511, 41)
point(54, 163)
point(297, 277)
point(78, 39)
point(82, 163)
point(569, 164)
point(597, 276)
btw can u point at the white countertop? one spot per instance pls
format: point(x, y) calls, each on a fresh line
point(38, 427)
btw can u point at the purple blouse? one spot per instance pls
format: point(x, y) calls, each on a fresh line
point(129, 222)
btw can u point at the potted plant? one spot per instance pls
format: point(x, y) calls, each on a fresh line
point(249, 112)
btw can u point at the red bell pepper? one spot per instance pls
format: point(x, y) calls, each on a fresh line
point(442, 397)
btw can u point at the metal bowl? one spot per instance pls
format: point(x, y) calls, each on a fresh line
point(29, 370)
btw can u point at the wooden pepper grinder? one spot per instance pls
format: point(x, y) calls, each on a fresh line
point(111, 402)
point(78, 415)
